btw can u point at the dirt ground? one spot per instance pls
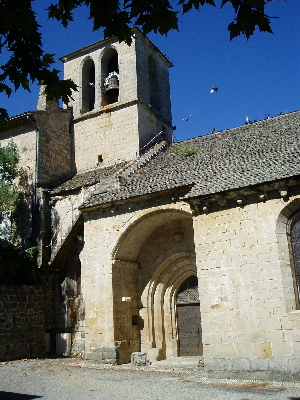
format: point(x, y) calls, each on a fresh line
point(69, 379)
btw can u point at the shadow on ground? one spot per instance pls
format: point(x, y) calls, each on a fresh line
point(17, 396)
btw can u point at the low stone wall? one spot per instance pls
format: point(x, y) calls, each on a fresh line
point(22, 322)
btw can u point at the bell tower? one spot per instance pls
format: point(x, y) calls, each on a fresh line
point(122, 102)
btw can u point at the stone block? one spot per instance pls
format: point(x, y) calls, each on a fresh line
point(294, 366)
point(243, 351)
point(139, 358)
point(263, 350)
point(241, 364)
point(260, 364)
point(218, 364)
point(105, 355)
point(282, 350)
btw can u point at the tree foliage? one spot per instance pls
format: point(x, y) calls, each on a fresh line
point(9, 159)
point(20, 35)
point(18, 266)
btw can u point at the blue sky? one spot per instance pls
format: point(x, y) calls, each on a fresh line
point(258, 77)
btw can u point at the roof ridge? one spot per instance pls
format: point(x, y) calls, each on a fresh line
point(141, 161)
point(244, 127)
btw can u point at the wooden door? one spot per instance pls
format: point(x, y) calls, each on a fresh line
point(189, 329)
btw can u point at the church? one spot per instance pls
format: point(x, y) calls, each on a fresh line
point(170, 249)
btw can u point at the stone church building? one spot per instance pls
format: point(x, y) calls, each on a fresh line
point(172, 249)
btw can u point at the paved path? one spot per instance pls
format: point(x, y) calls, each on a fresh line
point(70, 379)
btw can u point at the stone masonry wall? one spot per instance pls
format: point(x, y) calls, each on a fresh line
point(144, 50)
point(250, 324)
point(24, 138)
point(109, 280)
point(245, 285)
point(149, 127)
point(113, 135)
point(22, 326)
point(127, 76)
point(54, 148)
point(109, 132)
point(117, 131)
point(100, 237)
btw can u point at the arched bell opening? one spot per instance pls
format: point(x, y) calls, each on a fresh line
point(110, 74)
point(188, 318)
point(88, 86)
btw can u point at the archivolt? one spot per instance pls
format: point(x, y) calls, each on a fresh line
point(133, 236)
point(159, 297)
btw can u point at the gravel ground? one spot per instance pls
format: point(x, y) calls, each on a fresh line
point(67, 379)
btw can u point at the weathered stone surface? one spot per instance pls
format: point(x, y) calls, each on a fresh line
point(22, 322)
point(139, 358)
point(105, 355)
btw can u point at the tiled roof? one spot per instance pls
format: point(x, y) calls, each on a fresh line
point(16, 120)
point(253, 154)
point(89, 178)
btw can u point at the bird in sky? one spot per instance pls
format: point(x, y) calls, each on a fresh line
point(214, 89)
point(186, 119)
point(247, 120)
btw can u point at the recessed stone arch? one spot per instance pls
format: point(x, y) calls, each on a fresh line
point(159, 338)
point(141, 226)
point(152, 258)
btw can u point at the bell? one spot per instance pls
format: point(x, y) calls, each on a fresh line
point(111, 83)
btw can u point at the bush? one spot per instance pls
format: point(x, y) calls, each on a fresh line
point(18, 266)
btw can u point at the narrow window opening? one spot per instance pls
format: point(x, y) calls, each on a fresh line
point(100, 159)
point(294, 239)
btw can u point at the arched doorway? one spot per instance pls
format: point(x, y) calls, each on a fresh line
point(188, 318)
point(148, 272)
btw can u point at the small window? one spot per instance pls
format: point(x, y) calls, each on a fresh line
point(294, 238)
